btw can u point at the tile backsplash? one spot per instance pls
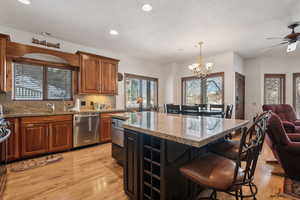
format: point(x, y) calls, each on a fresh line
point(13, 106)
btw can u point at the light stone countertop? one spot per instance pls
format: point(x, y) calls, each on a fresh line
point(190, 130)
point(45, 113)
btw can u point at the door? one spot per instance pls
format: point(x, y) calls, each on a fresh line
point(13, 141)
point(131, 165)
point(109, 72)
point(105, 129)
point(239, 96)
point(34, 139)
point(60, 136)
point(89, 74)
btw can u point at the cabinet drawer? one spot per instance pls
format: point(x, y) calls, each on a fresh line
point(45, 119)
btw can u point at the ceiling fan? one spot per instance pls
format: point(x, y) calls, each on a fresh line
point(291, 39)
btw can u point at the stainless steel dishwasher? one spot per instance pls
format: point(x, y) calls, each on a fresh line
point(85, 129)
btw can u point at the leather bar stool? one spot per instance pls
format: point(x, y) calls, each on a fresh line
point(230, 148)
point(221, 174)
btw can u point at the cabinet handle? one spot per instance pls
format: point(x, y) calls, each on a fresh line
point(30, 125)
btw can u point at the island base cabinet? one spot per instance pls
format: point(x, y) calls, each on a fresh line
point(152, 166)
point(131, 165)
point(60, 136)
point(34, 139)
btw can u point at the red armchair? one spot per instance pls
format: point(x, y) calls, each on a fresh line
point(287, 114)
point(286, 148)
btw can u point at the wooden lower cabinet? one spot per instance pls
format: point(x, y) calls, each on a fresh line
point(105, 129)
point(40, 135)
point(60, 136)
point(13, 151)
point(34, 139)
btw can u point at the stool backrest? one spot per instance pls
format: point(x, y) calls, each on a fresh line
point(250, 148)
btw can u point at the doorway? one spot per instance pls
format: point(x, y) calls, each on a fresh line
point(239, 96)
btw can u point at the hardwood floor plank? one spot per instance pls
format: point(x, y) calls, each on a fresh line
point(91, 174)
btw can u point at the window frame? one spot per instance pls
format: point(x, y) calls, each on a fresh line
point(295, 76)
point(283, 92)
point(45, 66)
point(139, 77)
point(211, 75)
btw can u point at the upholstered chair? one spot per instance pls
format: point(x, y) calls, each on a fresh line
point(287, 114)
point(286, 148)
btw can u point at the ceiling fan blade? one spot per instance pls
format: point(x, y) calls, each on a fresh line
point(274, 38)
point(274, 46)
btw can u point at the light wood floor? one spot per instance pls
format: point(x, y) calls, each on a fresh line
point(91, 174)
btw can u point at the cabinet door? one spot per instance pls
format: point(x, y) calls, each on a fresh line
point(89, 74)
point(13, 152)
point(105, 129)
point(34, 139)
point(109, 73)
point(60, 136)
point(2, 64)
point(131, 167)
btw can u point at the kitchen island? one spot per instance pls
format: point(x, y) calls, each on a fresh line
point(157, 145)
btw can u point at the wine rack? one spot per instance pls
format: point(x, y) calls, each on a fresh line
point(151, 168)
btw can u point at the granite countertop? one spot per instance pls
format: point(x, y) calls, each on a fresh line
point(123, 116)
point(191, 130)
point(48, 113)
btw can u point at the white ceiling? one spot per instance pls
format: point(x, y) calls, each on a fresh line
point(224, 25)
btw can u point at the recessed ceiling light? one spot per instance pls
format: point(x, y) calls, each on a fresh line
point(27, 2)
point(114, 32)
point(147, 7)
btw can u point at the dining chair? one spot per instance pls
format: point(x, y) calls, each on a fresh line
point(221, 174)
point(173, 109)
point(228, 112)
point(202, 106)
point(217, 107)
point(189, 110)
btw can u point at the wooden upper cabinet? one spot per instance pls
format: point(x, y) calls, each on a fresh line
point(60, 136)
point(2, 64)
point(109, 73)
point(34, 139)
point(89, 75)
point(98, 74)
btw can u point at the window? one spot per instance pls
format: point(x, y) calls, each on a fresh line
point(274, 92)
point(38, 82)
point(203, 91)
point(140, 86)
point(296, 93)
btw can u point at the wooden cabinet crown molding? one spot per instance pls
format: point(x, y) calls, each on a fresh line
point(16, 50)
point(4, 36)
point(101, 57)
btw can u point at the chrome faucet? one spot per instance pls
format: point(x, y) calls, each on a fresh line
point(51, 106)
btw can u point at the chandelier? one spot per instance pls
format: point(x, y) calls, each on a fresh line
point(200, 68)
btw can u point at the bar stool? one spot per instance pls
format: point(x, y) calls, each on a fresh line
point(221, 174)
